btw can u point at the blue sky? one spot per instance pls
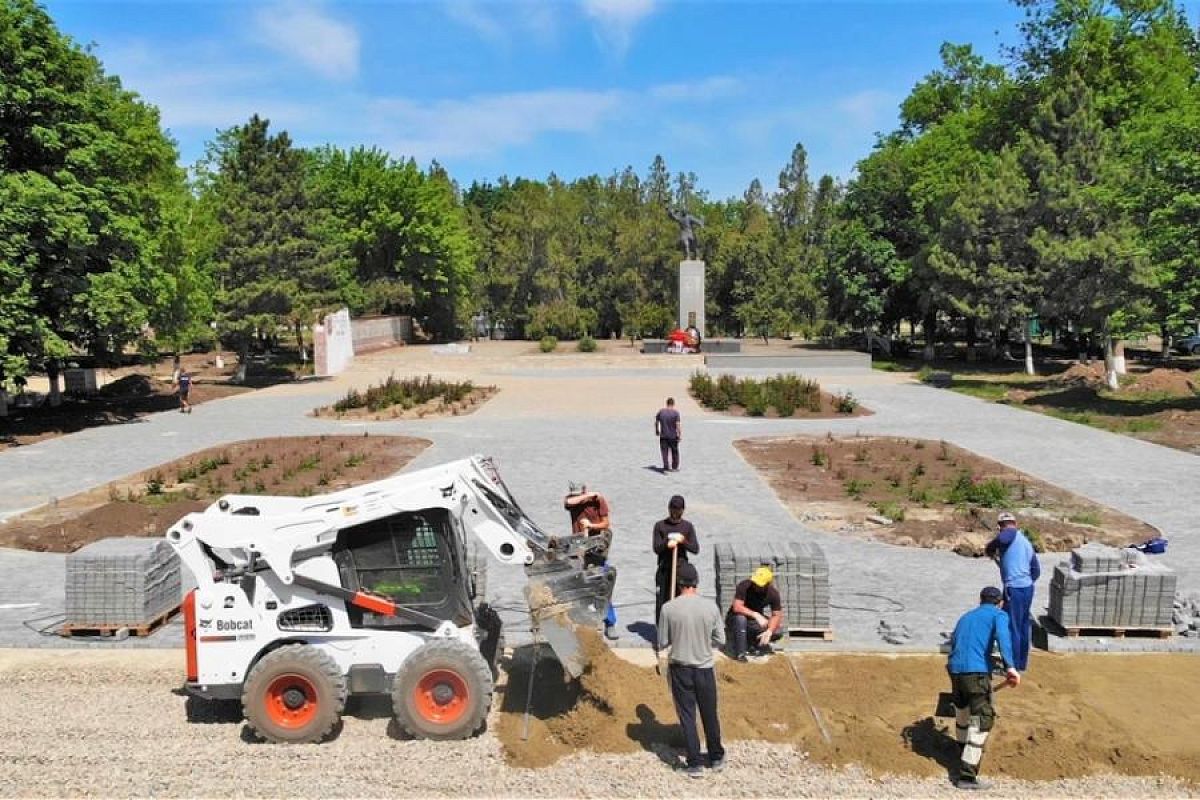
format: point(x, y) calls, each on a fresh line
point(491, 88)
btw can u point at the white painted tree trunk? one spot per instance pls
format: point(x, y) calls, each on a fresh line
point(1029, 370)
point(1110, 367)
point(1119, 357)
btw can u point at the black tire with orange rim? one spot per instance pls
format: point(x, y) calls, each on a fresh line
point(442, 691)
point(295, 694)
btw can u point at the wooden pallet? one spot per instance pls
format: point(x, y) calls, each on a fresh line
point(811, 633)
point(145, 629)
point(1118, 632)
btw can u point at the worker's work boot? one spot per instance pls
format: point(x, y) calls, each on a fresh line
point(610, 633)
point(971, 784)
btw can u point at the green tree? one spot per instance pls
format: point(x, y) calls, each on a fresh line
point(87, 186)
point(272, 266)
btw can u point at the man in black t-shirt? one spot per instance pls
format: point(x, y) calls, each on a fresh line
point(668, 427)
point(750, 629)
point(673, 534)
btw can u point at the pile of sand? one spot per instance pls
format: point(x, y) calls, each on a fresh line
point(1072, 716)
point(1165, 381)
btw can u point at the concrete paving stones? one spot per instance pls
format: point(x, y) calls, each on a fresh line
point(590, 417)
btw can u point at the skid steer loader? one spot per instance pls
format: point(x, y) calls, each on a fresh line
point(301, 602)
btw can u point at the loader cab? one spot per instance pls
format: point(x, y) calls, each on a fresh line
point(413, 558)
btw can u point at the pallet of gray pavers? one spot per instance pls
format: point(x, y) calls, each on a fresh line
point(1109, 590)
point(125, 583)
point(801, 576)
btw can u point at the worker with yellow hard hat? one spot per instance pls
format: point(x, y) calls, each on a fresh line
point(756, 617)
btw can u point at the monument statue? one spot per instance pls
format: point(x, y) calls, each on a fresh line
point(687, 236)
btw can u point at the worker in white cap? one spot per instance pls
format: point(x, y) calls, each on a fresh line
point(756, 617)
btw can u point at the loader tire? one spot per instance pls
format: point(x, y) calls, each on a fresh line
point(442, 691)
point(293, 695)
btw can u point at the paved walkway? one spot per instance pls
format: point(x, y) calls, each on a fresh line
point(561, 418)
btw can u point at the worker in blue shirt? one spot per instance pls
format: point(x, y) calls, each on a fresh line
point(1019, 569)
point(970, 668)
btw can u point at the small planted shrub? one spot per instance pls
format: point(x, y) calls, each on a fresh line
point(548, 344)
point(845, 403)
point(586, 344)
point(702, 388)
point(990, 493)
point(784, 393)
point(405, 393)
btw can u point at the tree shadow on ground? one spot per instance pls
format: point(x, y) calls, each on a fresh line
point(1085, 399)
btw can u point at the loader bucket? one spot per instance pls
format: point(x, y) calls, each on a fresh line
point(563, 599)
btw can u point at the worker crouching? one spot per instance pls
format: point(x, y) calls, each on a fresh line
point(970, 669)
point(751, 631)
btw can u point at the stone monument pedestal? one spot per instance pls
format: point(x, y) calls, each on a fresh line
point(691, 295)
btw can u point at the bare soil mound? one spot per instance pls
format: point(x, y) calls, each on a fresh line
point(1072, 716)
point(920, 493)
point(1174, 382)
point(1080, 375)
point(146, 503)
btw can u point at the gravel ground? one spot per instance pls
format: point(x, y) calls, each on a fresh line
point(105, 724)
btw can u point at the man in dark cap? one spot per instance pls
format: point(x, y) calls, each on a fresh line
point(690, 626)
point(970, 669)
point(673, 537)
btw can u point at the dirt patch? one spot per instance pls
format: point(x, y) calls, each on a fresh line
point(926, 494)
point(146, 503)
point(134, 391)
point(1071, 716)
point(437, 407)
point(1078, 374)
point(1174, 382)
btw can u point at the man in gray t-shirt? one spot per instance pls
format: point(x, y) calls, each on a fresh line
point(690, 625)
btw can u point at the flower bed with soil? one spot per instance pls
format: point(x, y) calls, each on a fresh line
point(922, 493)
point(146, 503)
point(409, 398)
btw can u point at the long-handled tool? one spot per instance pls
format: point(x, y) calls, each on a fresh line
point(808, 699)
point(674, 568)
point(657, 622)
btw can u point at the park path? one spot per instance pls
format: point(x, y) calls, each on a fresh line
point(591, 420)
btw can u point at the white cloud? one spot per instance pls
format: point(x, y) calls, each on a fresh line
point(713, 88)
point(615, 20)
point(304, 32)
point(521, 20)
point(868, 107)
point(485, 124)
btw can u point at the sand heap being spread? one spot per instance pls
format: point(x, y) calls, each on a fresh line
point(618, 707)
point(1073, 716)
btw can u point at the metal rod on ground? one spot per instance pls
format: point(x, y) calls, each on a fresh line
point(807, 699)
point(529, 691)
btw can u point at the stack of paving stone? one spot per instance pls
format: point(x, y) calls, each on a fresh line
point(801, 576)
point(121, 582)
point(1107, 587)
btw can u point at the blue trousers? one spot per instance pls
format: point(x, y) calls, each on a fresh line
point(1017, 603)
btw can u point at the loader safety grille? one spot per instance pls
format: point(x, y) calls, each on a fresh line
point(316, 617)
